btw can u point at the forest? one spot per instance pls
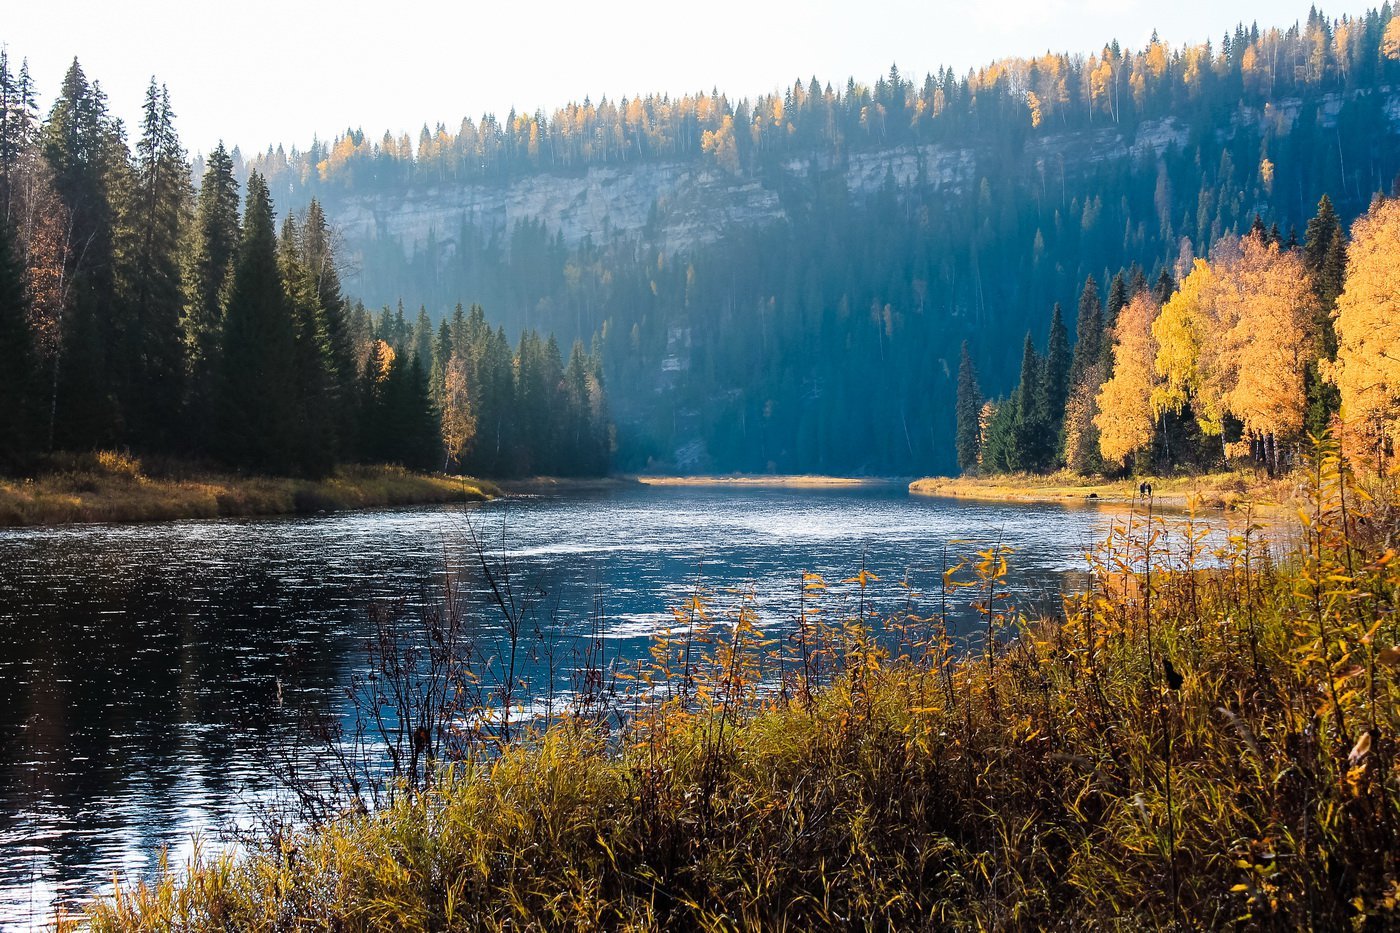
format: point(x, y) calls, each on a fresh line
point(827, 338)
point(824, 339)
point(1258, 349)
point(140, 313)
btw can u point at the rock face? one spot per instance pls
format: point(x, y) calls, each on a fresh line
point(682, 204)
point(691, 202)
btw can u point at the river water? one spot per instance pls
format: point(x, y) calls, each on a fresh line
point(149, 674)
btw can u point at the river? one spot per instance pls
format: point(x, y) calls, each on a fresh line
point(149, 674)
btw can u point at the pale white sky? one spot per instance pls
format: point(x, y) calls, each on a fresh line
point(264, 71)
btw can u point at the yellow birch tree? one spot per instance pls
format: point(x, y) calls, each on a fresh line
point(1126, 418)
point(1367, 370)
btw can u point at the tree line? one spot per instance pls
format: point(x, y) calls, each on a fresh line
point(826, 338)
point(1239, 357)
point(141, 313)
point(1111, 86)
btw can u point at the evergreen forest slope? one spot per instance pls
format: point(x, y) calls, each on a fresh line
point(782, 283)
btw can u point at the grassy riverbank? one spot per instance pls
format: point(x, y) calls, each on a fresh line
point(1212, 490)
point(1221, 753)
point(107, 487)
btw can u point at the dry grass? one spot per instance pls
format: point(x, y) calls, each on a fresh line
point(1208, 491)
point(1199, 749)
point(110, 487)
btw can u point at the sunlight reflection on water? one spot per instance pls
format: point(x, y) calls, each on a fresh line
point(141, 665)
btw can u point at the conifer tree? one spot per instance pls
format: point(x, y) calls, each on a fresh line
point(999, 453)
point(86, 161)
point(1088, 332)
point(969, 414)
point(1324, 254)
point(17, 382)
point(153, 352)
point(577, 454)
point(1031, 436)
point(313, 402)
point(257, 391)
point(1057, 369)
point(338, 345)
point(208, 277)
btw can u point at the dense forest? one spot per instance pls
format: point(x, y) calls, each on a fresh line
point(912, 216)
point(1259, 347)
point(136, 313)
point(895, 224)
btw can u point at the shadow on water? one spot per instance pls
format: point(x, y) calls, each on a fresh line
point(149, 674)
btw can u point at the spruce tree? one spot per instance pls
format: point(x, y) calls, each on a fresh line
point(17, 382)
point(209, 274)
point(257, 391)
point(333, 322)
point(1030, 432)
point(969, 414)
point(577, 456)
point(86, 158)
point(1324, 255)
point(153, 352)
point(314, 451)
point(999, 453)
point(1057, 369)
point(1088, 332)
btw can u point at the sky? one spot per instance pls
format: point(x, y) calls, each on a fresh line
point(261, 72)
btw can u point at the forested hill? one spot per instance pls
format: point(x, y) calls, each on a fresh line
point(784, 282)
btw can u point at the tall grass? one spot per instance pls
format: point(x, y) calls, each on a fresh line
point(114, 487)
point(1204, 737)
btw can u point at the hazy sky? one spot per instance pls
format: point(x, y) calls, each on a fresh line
point(257, 71)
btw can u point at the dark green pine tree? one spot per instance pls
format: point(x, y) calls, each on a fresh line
point(1088, 332)
point(402, 425)
point(1032, 445)
point(969, 414)
point(16, 408)
point(334, 324)
point(577, 455)
point(19, 127)
point(1324, 255)
point(423, 339)
point(257, 391)
point(87, 162)
point(999, 453)
point(442, 358)
point(209, 274)
point(1164, 287)
point(153, 353)
point(314, 453)
point(1056, 370)
point(420, 437)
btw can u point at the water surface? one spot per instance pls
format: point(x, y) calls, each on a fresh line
point(150, 674)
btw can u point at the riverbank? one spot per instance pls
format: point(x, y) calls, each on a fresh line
point(107, 487)
point(1229, 491)
point(1125, 763)
point(807, 481)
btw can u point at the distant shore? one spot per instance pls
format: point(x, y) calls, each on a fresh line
point(1211, 490)
point(114, 488)
point(759, 480)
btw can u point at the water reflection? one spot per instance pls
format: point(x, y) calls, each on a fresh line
point(148, 674)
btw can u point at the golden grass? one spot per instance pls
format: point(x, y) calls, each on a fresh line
point(1205, 748)
point(110, 487)
point(1212, 490)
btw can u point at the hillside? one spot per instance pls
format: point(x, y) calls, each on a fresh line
point(893, 221)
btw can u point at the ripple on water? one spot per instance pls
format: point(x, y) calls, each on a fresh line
point(149, 673)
